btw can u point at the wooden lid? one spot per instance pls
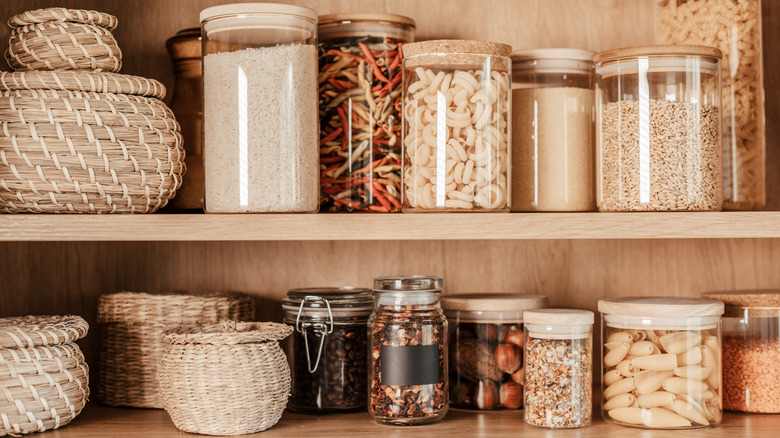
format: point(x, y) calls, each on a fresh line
point(185, 44)
point(662, 50)
point(493, 302)
point(562, 317)
point(257, 8)
point(365, 16)
point(660, 306)
point(457, 47)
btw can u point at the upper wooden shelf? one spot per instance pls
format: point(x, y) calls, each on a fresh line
point(443, 226)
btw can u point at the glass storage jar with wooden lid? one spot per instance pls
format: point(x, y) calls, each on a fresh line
point(486, 348)
point(360, 110)
point(751, 350)
point(457, 145)
point(661, 362)
point(658, 141)
point(733, 26)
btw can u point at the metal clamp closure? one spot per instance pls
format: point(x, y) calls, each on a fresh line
point(318, 328)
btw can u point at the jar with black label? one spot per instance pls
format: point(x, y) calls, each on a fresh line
point(328, 350)
point(408, 345)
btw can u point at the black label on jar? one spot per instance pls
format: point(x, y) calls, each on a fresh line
point(410, 365)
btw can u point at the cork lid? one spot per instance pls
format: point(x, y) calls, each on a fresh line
point(328, 19)
point(458, 54)
point(757, 302)
point(457, 47)
point(677, 307)
point(559, 317)
point(493, 302)
point(661, 50)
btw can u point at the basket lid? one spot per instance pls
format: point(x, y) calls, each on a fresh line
point(493, 302)
point(660, 306)
point(660, 50)
point(228, 332)
point(86, 81)
point(559, 317)
point(41, 330)
point(63, 14)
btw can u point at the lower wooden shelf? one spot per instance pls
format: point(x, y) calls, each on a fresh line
point(103, 422)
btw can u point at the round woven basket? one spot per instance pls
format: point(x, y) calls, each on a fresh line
point(44, 380)
point(225, 379)
point(60, 38)
point(83, 142)
point(131, 344)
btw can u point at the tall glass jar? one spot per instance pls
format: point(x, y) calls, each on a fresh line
point(408, 382)
point(558, 368)
point(457, 112)
point(486, 348)
point(260, 108)
point(553, 158)
point(658, 129)
point(328, 349)
point(360, 110)
point(661, 362)
point(733, 26)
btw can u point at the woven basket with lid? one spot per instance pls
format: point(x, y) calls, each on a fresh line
point(44, 380)
point(131, 345)
point(225, 379)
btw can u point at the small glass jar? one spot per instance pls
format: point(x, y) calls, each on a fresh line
point(408, 347)
point(661, 362)
point(751, 350)
point(733, 26)
point(486, 348)
point(328, 349)
point(360, 110)
point(658, 129)
point(260, 108)
point(457, 144)
point(553, 158)
point(558, 368)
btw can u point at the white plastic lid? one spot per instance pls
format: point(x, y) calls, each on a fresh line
point(679, 307)
point(256, 8)
point(559, 317)
point(259, 23)
point(553, 61)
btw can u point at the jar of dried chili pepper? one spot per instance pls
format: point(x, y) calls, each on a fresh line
point(408, 383)
point(360, 110)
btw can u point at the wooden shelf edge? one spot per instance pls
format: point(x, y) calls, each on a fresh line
point(444, 226)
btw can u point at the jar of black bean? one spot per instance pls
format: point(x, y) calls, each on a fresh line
point(328, 349)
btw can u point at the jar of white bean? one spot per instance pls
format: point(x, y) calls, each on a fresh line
point(661, 362)
point(456, 118)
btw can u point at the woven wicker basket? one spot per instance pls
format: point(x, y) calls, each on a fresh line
point(131, 344)
point(59, 38)
point(83, 142)
point(44, 380)
point(225, 379)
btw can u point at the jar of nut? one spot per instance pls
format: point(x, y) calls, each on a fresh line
point(486, 348)
point(408, 348)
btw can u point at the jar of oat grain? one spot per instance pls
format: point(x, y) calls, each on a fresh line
point(658, 118)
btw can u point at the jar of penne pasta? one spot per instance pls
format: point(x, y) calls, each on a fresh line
point(456, 117)
point(661, 362)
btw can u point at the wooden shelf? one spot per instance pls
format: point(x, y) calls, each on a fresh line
point(99, 421)
point(443, 226)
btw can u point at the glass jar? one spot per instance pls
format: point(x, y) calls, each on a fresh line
point(486, 348)
point(456, 126)
point(408, 346)
point(328, 349)
point(260, 108)
point(558, 368)
point(657, 129)
point(733, 26)
point(184, 49)
point(661, 362)
point(553, 158)
point(751, 350)
point(360, 110)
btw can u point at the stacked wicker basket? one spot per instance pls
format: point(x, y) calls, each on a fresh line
point(78, 137)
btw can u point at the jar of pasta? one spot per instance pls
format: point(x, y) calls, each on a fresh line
point(661, 362)
point(486, 348)
point(360, 110)
point(733, 26)
point(558, 368)
point(457, 129)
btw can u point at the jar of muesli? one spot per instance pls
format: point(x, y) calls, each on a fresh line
point(408, 347)
point(558, 368)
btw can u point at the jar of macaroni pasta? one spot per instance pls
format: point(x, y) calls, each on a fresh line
point(456, 115)
point(486, 348)
point(661, 362)
point(658, 116)
point(558, 368)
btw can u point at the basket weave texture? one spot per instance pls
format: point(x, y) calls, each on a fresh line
point(60, 38)
point(225, 379)
point(131, 345)
point(44, 380)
